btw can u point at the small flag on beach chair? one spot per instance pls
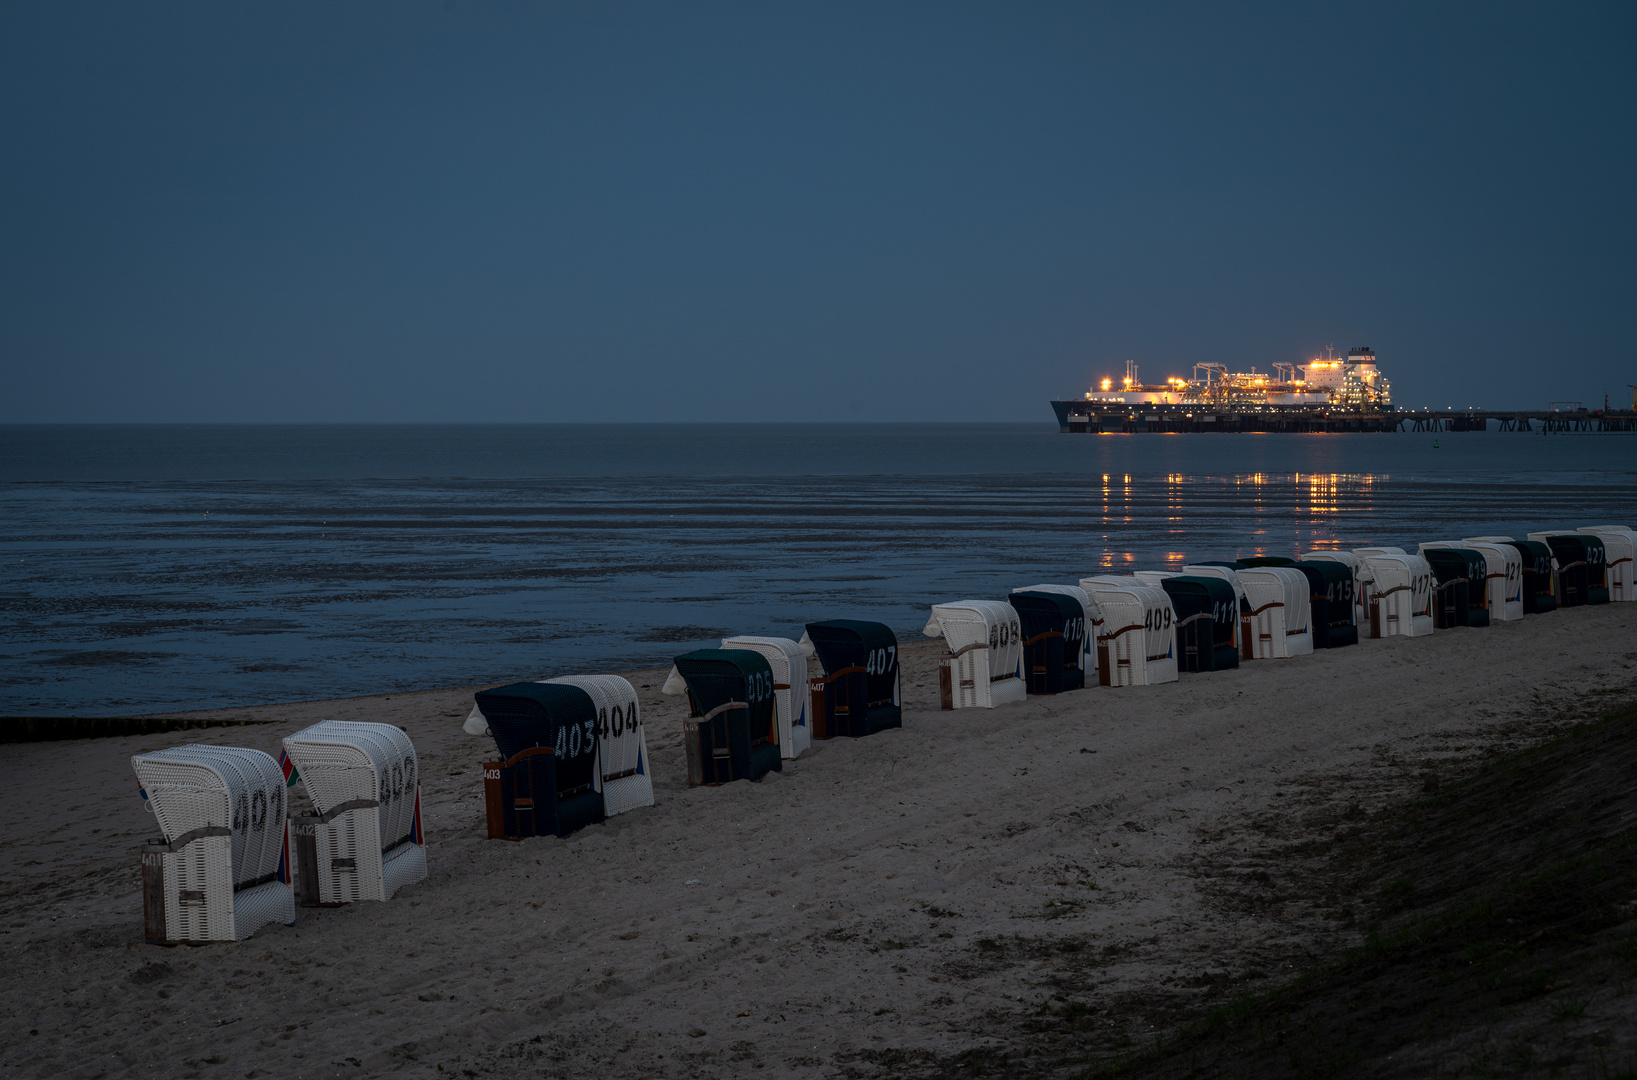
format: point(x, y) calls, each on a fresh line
point(289, 769)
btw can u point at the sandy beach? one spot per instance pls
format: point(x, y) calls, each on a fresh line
point(883, 901)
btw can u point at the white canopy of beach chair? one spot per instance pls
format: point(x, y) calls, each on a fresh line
point(985, 651)
point(1137, 645)
point(364, 780)
point(1280, 609)
point(791, 696)
point(1619, 547)
point(224, 862)
point(1624, 530)
point(624, 773)
point(1503, 575)
point(1401, 597)
point(1363, 551)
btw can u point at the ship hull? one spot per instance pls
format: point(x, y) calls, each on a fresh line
point(1095, 417)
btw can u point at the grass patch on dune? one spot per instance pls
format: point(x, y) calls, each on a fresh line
point(1502, 937)
point(1500, 916)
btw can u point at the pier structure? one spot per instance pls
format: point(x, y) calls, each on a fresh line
point(1093, 417)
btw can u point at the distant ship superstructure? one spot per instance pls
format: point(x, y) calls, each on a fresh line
point(1354, 385)
point(1327, 394)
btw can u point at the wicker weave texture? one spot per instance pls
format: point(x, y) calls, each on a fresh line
point(199, 891)
point(403, 865)
point(343, 761)
point(789, 664)
point(255, 907)
point(624, 776)
point(1402, 586)
point(986, 642)
point(1278, 596)
point(1139, 630)
point(349, 857)
point(242, 790)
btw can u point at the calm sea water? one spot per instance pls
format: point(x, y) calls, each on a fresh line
point(156, 568)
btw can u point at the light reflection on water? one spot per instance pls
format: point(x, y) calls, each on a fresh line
point(169, 594)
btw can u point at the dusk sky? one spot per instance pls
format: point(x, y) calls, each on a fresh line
point(465, 211)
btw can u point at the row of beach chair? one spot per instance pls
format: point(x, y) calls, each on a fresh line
point(571, 751)
point(223, 868)
point(1148, 627)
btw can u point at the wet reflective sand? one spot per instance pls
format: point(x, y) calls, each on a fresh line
point(153, 594)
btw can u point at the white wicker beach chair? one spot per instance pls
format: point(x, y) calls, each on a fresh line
point(791, 696)
point(624, 774)
point(1280, 611)
point(1363, 580)
point(985, 652)
point(1137, 646)
point(364, 783)
point(1401, 597)
point(1503, 575)
point(1367, 575)
point(1094, 622)
point(222, 871)
point(1620, 545)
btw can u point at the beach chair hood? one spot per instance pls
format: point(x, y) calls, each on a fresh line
point(197, 791)
point(623, 773)
point(986, 624)
point(364, 781)
point(1054, 629)
point(733, 696)
point(1088, 608)
point(526, 715)
point(223, 869)
point(790, 693)
point(846, 643)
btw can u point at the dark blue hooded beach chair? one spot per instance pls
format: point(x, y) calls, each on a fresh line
point(1581, 566)
point(859, 694)
point(545, 781)
point(735, 736)
point(1538, 595)
point(1207, 614)
point(1459, 591)
point(1054, 640)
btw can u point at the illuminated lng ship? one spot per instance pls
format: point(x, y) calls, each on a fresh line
point(1355, 384)
point(1325, 394)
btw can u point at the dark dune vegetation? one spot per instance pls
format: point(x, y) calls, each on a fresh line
point(1499, 940)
